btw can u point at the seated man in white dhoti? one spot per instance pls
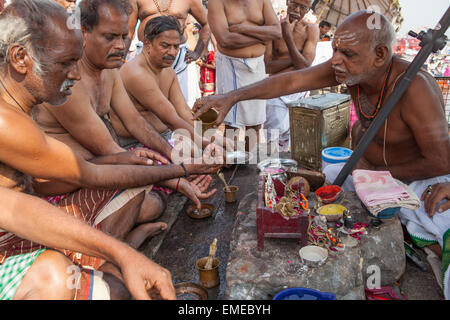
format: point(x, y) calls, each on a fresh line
point(413, 143)
point(295, 51)
point(242, 33)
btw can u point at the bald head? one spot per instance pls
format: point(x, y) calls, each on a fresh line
point(371, 27)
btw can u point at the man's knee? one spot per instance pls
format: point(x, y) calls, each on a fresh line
point(152, 207)
point(48, 278)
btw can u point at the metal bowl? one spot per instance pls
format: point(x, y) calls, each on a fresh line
point(205, 211)
point(277, 163)
point(313, 256)
point(238, 157)
point(332, 212)
point(186, 290)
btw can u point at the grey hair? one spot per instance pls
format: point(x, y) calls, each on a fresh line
point(27, 23)
point(384, 34)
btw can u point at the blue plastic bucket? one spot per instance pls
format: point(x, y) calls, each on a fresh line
point(335, 155)
point(303, 294)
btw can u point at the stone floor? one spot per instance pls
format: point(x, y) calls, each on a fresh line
point(189, 239)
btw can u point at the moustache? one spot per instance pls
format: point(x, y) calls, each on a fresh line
point(66, 85)
point(295, 15)
point(116, 54)
point(171, 58)
point(338, 69)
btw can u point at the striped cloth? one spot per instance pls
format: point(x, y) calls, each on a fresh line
point(91, 206)
point(12, 272)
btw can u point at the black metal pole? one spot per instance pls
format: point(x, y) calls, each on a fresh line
point(432, 41)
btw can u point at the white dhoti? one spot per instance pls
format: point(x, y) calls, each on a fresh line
point(422, 229)
point(277, 119)
point(233, 73)
point(188, 76)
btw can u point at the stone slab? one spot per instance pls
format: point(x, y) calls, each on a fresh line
point(253, 274)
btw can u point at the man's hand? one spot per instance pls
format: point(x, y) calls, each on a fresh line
point(236, 28)
point(142, 275)
point(222, 103)
point(433, 195)
point(192, 56)
point(286, 28)
point(197, 189)
point(145, 153)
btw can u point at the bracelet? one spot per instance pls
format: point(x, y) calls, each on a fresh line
point(176, 189)
point(186, 174)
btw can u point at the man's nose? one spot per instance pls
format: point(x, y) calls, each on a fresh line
point(173, 51)
point(120, 44)
point(336, 59)
point(74, 73)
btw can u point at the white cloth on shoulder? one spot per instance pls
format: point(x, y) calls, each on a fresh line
point(233, 73)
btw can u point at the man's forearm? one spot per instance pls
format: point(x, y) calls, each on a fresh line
point(32, 218)
point(312, 78)
point(129, 176)
point(203, 39)
point(298, 60)
point(235, 40)
point(278, 65)
point(146, 134)
point(263, 33)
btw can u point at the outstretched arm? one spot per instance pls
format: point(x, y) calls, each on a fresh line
point(316, 77)
point(34, 219)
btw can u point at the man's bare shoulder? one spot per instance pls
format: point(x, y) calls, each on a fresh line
point(17, 129)
point(312, 27)
point(135, 74)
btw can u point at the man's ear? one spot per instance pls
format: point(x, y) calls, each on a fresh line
point(85, 33)
point(20, 59)
point(381, 55)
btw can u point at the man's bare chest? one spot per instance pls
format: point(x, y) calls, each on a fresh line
point(300, 36)
point(154, 8)
point(100, 96)
point(244, 11)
